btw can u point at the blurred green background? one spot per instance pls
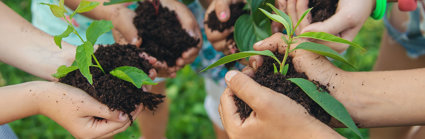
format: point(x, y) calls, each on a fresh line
point(187, 118)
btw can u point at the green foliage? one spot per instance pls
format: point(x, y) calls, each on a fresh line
point(238, 56)
point(302, 17)
point(329, 37)
point(63, 70)
point(253, 27)
point(322, 50)
point(58, 38)
point(286, 18)
point(96, 29)
point(83, 59)
point(86, 6)
point(118, 2)
point(285, 69)
point(332, 106)
point(56, 10)
point(133, 75)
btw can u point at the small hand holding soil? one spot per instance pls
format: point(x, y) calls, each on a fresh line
point(171, 36)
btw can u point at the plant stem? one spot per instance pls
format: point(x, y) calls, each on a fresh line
point(97, 62)
point(286, 54)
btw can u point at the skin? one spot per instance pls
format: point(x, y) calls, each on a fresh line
point(125, 32)
point(68, 106)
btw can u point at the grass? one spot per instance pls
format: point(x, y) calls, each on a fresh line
point(187, 118)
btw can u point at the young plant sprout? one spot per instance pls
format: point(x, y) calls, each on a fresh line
point(85, 52)
point(332, 106)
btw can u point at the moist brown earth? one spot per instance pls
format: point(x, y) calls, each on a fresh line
point(322, 9)
point(162, 34)
point(265, 76)
point(236, 10)
point(117, 94)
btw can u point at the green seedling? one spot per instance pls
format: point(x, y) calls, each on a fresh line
point(332, 106)
point(85, 51)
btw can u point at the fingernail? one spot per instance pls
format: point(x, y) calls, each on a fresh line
point(191, 33)
point(230, 75)
point(258, 43)
point(134, 41)
point(254, 65)
point(122, 116)
point(223, 15)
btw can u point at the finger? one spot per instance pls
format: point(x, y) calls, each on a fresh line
point(334, 25)
point(152, 74)
point(255, 62)
point(118, 37)
point(273, 43)
point(222, 10)
point(281, 5)
point(110, 133)
point(229, 117)
point(248, 90)
point(124, 24)
point(292, 10)
point(302, 6)
point(190, 55)
point(276, 27)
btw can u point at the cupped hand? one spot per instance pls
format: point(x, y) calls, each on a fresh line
point(124, 31)
point(79, 113)
point(189, 23)
point(274, 115)
point(219, 39)
point(346, 22)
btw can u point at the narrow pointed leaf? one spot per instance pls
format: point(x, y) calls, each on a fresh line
point(237, 56)
point(277, 18)
point(133, 75)
point(118, 1)
point(58, 38)
point(56, 10)
point(332, 106)
point(275, 68)
point(63, 70)
point(284, 16)
point(285, 69)
point(302, 17)
point(84, 61)
point(86, 6)
point(323, 50)
point(96, 29)
point(329, 37)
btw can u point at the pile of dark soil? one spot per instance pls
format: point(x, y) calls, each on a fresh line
point(117, 94)
point(162, 34)
point(322, 9)
point(265, 76)
point(236, 10)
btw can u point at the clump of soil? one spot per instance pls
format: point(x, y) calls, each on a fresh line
point(162, 34)
point(322, 9)
point(117, 94)
point(236, 10)
point(265, 76)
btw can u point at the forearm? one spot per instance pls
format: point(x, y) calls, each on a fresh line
point(17, 101)
point(27, 48)
point(383, 98)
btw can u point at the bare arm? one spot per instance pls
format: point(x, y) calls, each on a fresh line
point(27, 48)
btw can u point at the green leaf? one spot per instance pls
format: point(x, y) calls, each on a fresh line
point(56, 10)
point(332, 106)
point(286, 17)
point(322, 50)
point(302, 17)
point(58, 38)
point(62, 4)
point(133, 75)
point(96, 29)
point(279, 19)
point(84, 61)
point(240, 55)
point(285, 69)
point(247, 32)
point(86, 6)
point(118, 1)
point(329, 37)
point(256, 14)
point(275, 68)
point(63, 70)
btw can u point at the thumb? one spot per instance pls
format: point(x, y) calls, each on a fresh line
point(222, 10)
point(249, 91)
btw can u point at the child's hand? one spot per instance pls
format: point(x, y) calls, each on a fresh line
point(219, 39)
point(79, 113)
point(188, 23)
point(274, 115)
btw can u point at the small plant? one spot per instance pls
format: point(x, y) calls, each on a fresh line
point(85, 52)
point(332, 106)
